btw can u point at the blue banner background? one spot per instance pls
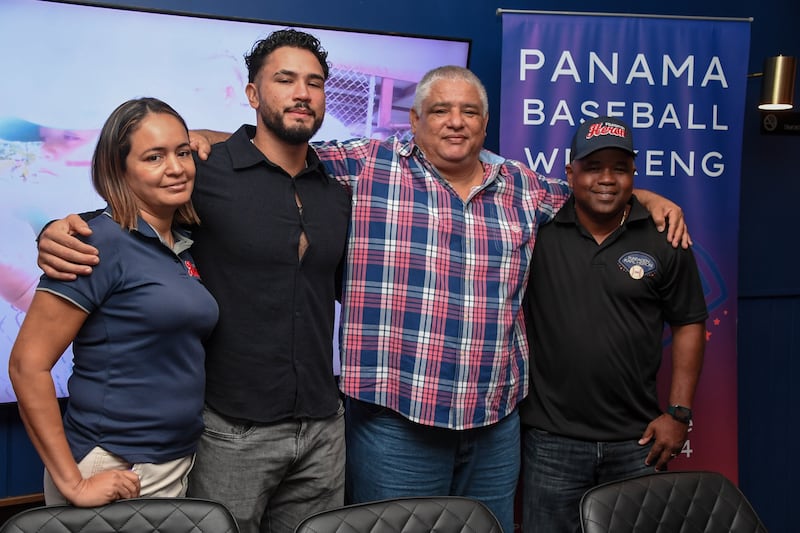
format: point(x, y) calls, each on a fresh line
point(688, 132)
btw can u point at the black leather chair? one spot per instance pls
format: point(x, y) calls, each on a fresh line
point(136, 515)
point(405, 515)
point(669, 502)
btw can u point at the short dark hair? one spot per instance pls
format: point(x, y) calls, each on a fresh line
point(278, 39)
point(109, 160)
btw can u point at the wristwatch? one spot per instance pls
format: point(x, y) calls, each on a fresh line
point(680, 413)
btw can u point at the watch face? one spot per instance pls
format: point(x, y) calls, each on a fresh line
point(680, 413)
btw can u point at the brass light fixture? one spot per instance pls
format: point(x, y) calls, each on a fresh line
point(777, 85)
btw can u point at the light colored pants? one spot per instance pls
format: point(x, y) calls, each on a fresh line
point(270, 476)
point(163, 480)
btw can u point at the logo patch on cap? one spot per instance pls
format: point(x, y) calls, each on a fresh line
point(599, 133)
point(599, 129)
point(637, 264)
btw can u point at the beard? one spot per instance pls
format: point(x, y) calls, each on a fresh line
point(296, 134)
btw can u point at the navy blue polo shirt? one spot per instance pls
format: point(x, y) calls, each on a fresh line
point(595, 315)
point(137, 384)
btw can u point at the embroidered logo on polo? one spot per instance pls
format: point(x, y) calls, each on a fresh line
point(191, 269)
point(637, 264)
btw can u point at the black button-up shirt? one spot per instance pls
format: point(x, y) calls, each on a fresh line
point(270, 356)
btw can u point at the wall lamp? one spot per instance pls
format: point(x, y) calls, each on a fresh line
point(777, 95)
point(777, 83)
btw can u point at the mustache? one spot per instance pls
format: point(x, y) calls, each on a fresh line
point(304, 106)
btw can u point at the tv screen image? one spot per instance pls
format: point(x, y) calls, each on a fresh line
point(67, 66)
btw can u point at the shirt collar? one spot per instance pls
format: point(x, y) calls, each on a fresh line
point(496, 162)
point(406, 148)
point(244, 154)
point(182, 235)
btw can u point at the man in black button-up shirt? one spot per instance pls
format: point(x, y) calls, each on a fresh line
point(272, 237)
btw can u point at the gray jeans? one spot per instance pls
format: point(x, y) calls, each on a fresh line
point(270, 476)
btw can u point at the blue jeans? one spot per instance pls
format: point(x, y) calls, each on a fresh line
point(558, 470)
point(389, 456)
point(270, 476)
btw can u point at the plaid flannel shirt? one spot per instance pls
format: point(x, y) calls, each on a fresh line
point(431, 323)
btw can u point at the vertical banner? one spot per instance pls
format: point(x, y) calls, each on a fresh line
point(680, 84)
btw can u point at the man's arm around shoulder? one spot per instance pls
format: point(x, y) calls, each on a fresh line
point(62, 255)
point(201, 140)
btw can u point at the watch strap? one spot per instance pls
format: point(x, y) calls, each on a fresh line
point(680, 413)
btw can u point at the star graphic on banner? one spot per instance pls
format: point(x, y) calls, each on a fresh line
point(716, 322)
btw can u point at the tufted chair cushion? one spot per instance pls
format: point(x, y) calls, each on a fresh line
point(136, 515)
point(669, 502)
point(405, 515)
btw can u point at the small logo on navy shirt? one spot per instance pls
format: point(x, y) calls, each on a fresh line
point(191, 269)
point(637, 264)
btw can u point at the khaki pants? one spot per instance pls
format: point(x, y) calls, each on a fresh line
point(164, 480)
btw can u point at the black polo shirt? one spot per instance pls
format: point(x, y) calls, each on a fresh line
point(595, 316)
point(270, 356)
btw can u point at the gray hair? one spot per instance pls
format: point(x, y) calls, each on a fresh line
point(449, 72)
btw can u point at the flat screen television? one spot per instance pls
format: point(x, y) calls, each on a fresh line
point(67, 65)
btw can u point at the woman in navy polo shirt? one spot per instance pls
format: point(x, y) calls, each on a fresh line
point(137, 325)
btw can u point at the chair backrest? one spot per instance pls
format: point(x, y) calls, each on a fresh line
point(136, 515)
point(446, 514)
point(702, 502)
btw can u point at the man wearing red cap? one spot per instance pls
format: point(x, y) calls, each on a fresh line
point(603, 283)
